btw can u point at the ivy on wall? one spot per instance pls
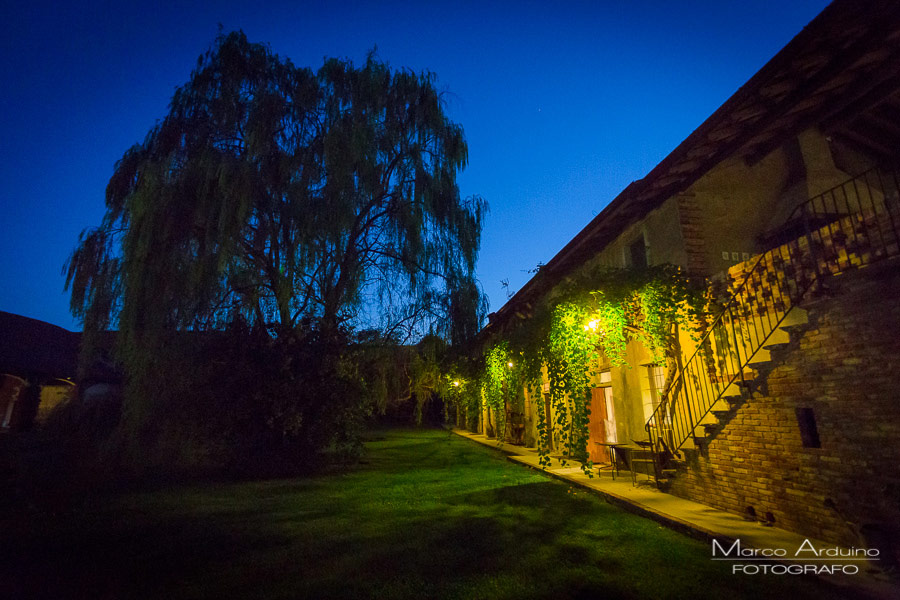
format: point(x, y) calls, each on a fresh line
point(461, 389)
point(595, 313)
point(572, 357)
point(496, 380)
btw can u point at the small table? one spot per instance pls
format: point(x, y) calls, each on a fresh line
point(612, 453)
point(630, 454)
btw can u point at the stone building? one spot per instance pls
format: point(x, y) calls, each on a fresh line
point(38, 363)
point(789, 410)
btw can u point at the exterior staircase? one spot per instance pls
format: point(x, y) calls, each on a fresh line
point(780, 343)
point(848, 227)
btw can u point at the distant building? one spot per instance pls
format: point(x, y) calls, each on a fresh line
point(791, 411)
point(38, 364)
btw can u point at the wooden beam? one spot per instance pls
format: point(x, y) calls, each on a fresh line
point(877, 90)
point(864, 90)
point(874, 120)
point(868, 145)
point(842, 61)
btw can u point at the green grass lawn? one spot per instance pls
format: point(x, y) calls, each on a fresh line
point(427, 515)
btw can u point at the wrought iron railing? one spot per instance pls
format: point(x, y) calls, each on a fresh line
point(851, 225)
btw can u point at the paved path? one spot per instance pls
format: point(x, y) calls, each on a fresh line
point(695, 519)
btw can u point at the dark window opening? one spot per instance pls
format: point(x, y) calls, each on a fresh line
point(637, 252)
point(809, 433)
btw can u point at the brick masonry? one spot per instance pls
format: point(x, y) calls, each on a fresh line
point(846, 367)
point(690, 215)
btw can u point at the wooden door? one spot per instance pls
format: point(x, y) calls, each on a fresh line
point(602, 425)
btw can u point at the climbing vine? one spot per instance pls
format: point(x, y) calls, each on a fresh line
point(572, 359)
point(610, 320)
point(464, 395)
point(498, 379)
point(594, 314)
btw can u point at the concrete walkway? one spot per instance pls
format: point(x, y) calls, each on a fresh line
point(702, 522)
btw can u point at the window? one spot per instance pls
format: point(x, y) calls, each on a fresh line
point(651, 388)
point(636, 253)
point(609, 423)
point(809, 433)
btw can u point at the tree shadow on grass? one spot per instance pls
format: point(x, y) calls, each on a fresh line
point(506, 542)
point(464, 556)
point(489, 531)
point(99, 558)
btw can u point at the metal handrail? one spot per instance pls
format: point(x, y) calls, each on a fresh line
point(837, 222)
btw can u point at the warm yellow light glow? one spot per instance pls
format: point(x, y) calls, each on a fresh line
point(592, 325)
point(456, 383)
point(510, 364)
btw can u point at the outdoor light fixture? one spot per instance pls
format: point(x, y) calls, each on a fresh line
point(509, 364)
point(592, 325)
point(456, 383)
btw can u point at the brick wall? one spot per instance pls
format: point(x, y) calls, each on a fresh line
point(690, 215)
point(846, 368)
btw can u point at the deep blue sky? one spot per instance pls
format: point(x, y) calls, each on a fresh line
point(563, 104)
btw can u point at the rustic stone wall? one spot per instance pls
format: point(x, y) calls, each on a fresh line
point(690, 216)
point(846, 368)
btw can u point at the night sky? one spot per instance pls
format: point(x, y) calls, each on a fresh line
point(563, 104)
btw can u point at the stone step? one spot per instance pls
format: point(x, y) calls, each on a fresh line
point(720, 405)
point(708, 419)
point(778, 336)
point(757, 365)
point(794, 329)
point(677, 463)
point(795, 321)
point(734, 398)
point(690, 453)
point(776, 347)
point(796, 316)
point(760, 356)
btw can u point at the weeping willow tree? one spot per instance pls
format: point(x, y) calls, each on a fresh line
point(404, 380)
point(285, 200)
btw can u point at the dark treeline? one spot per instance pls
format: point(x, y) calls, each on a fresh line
point(274, 258)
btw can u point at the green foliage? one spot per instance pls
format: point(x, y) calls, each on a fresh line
point(610, 320)
point(408, 383)
point(459, 386)
point(464, 395)
point(424, 373)
point(286, 201)
point(572, 360)
point(426, 516)
point(381, 362)
point(644, 305)
point(497, 383)
point(597, 312)
point(230, 402)
point(277, 194)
